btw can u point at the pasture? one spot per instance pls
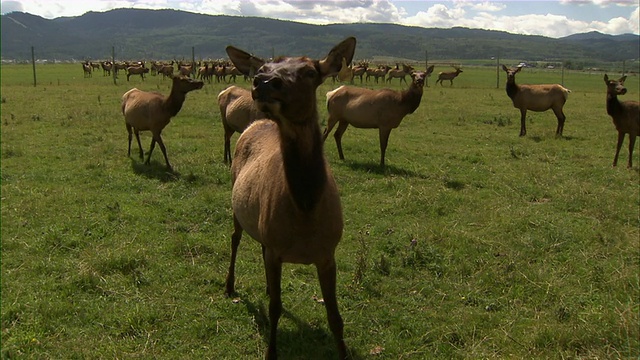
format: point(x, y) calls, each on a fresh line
point(472, 243)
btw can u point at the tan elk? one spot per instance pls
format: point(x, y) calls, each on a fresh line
point(381, 109)
point(237, 111)
point(152, 111)
point(536, 98)
point(625, 116)
point(399, 73)
point(284, 195)
point(450, 75)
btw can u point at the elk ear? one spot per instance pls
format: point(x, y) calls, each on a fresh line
point(246, 63)
point(504, 67)
point(622, 79)
point(332, 63)
point(430, 70)
point(606, 78)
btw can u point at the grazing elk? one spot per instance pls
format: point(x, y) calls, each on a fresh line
point(153, 111)
point(536, 98)
point(399, 73)
point(237, 111)
point(381, 109)
point(284, 194)
point(625, 115)
point(448, 75)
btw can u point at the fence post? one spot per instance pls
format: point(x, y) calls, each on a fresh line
point(33, 61)
point(113, 64)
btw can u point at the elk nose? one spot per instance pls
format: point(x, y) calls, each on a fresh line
point(264, 86)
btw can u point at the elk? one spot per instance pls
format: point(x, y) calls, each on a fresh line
point(625, 115)
point(137, 70)
point(397, 73)
point(381, 109)
point(536, 98)
point(86, 68)
point(450, 75)
point(106, 68)
point(153, 111)
point(284, 194)
point(237, 111)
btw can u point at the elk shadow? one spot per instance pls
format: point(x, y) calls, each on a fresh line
point(295, 344)
point(154, 170)
point(375, 168)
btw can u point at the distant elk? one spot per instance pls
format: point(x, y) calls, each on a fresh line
point(625, 116)
point(137, 70)
point(450, 75)
point(399, 73)
point(536, 98)
point(381, 109)
point(106, 68)
point(86, 68)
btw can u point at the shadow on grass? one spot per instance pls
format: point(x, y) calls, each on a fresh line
point(375, 168)
point(297, 344)
point(155, 170)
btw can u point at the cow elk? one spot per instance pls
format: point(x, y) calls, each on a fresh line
point(399, 73)
point(237, 110)
point(536, 98)
point(152, 111)
point(284, 195)
point(625, 115)
point(381, 109)
point(450, 75)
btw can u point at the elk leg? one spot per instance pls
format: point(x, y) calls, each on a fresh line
point(139, 144)
point(384, 139)
point(342, 127)
point(164, 150)
point(130, 131)
point(327, 278)
point(331, 122)
point(632, 143)
point(561, 119)
point(235, 242)
point(618, 146)
point(273, 268)
point(153, 145)
point(227, 146)
point(523, 119)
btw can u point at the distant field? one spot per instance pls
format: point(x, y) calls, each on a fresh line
point(522, 247)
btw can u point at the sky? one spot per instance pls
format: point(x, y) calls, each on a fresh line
point(554, 19)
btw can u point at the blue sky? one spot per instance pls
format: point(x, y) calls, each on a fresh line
point(548, 18)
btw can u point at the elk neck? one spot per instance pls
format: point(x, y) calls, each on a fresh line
point(512, 88)
point(173, 103)
point(303, 160)
point(613, 104)
point(412, 97)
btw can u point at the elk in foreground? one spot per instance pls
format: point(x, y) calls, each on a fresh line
point(448, 75)
point(237, 111)
point(381, 109)
point(152, 111)
point(536, 98)
point(625, 115)
point(284, 194)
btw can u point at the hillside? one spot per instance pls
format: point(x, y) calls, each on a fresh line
point(169, 34)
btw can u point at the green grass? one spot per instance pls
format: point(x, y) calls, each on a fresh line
point(472, 243)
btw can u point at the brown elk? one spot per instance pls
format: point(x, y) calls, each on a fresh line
point(378, 73)
point(137, 70)
point(359, 71)
point(166, 70)
point(237, 111)
point(152, 111)
point(536, 98)
point(86, 68)
point(450, 75)
point(284, 194)
point(399, 73)
point(381, 109)
point(625, 116)
point(106, 68)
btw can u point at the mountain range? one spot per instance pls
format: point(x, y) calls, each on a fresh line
point(171, 34)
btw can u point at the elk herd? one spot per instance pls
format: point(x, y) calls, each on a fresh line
point(283, 192)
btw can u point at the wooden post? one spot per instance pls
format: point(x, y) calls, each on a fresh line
point(33, 61)
point(113, 64)
point(426, 66)
point(498, 71)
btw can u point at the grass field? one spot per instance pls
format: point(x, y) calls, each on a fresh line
point(472, 243)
